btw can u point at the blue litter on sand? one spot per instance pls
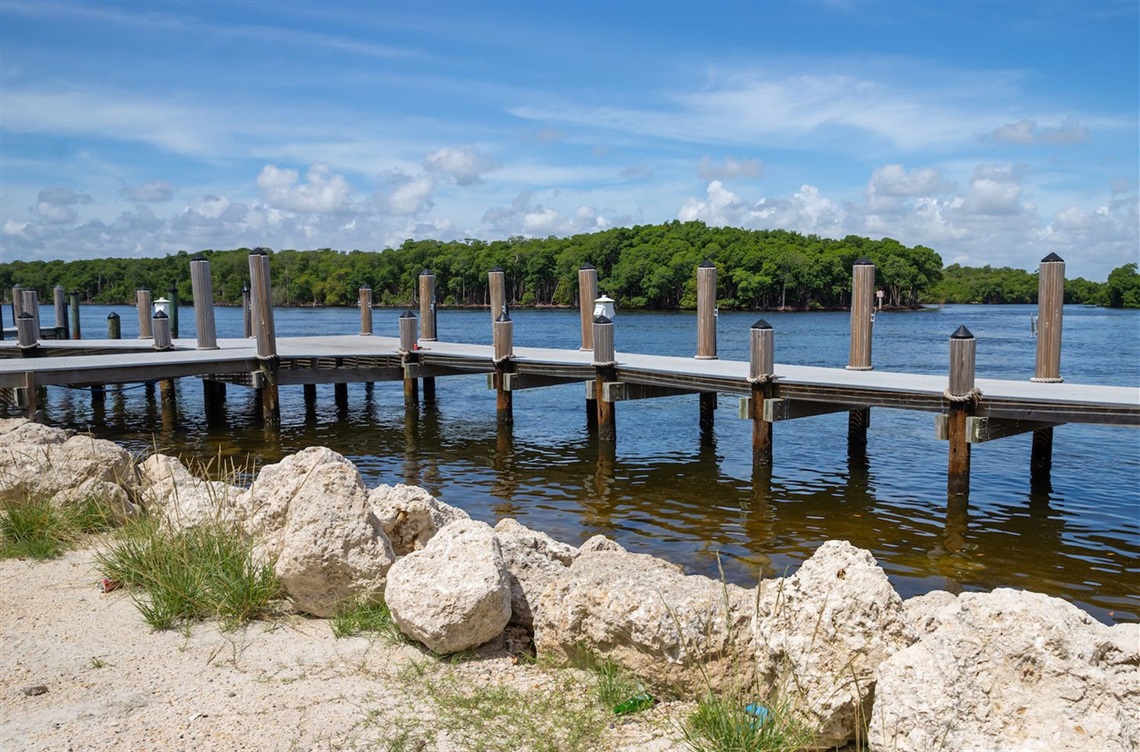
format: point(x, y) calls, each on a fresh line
point(759, 714)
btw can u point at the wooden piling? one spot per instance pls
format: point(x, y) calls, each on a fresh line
point(73, 300)
point(427, 306)
point(761, 375)
point(2, 318)
point(161, 327)
point(706, 311)
point(859, 354)
point(26, 336)
point(246, 313)
point(17, 302)
point(261, 307)
point(114, 326)
point(31, 306)
point(172, 296)
point(202, 288)
point(1050, 307)
point(340, 395)
point(408, 347)
point(145, 306)
point(605, 364)
point(587, 294)
point(364, 294)
point(59, 298)
point(962, 396)
point(502, 334)
point(496, 287)
point(310, 393)
point(214, 399)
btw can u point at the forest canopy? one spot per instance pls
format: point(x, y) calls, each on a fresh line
point(648, 266)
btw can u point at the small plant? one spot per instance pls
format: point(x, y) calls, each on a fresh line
point(98, 662)
point(32, 527)
point(198, 573)
point(366, 616)
point(612, 684)
point(734, 722)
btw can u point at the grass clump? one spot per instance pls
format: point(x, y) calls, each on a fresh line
point(179, 577)
point(33, 528)
point(723, 723)
point(366, 616)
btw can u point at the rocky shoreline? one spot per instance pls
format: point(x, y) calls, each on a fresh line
point(1001, 670)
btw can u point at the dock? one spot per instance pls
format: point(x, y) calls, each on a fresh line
point(966, 410)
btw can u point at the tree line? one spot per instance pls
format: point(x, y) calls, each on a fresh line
point(646, 267)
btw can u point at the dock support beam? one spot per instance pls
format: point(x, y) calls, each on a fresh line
point(503, 333)
point(203, 291)
point(761, 374)
point(261, 312)
point(73, 300)
point(1050, 304)
point(144, 305)
point(605, 364)
point(859, 355)
point(963, 398)
point(408, 338)
point(214, 396)
point(173, 298)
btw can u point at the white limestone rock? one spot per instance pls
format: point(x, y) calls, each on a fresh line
point(642, 613)
point(21, 431)
point(821, 633)
point(410, 516)
point(453, 594)
point(181, 499)
point(600, 543)
point(49, 466)
point(1011, 670)
point(532, 559)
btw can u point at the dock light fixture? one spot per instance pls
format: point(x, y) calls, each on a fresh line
point(162, 305)
point(604, 306)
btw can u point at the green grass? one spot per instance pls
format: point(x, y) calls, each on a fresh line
point(178, 578)
point(720, 724)
point(366, 617)
point(33, 528)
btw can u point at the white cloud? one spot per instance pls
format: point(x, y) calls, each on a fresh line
point(405, 195)
point(728, 168)
point(464, 165)
point(156, 191)
point(994, 190)
point(1028, 132)
point(322, 193)
point(57, 205)
point(891, 184)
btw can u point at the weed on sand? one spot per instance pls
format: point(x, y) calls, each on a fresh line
point(34, 528)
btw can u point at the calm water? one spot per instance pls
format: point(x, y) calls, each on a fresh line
point(660, 491)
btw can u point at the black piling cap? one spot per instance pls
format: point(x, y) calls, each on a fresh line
point(259, 251)
point(504, 318)
point(706, 264)
point(24, 315)
point(586, 265)
point(602, 320)
point(1052, 257)
point(426, 273)
point(245, 288)
point(761, 324)
point(497, 268)
point(864, 261)
point(408, 315)
point(173, 290)
point(962, 333)
point(143, 289)
point(112, 315)
point(161, 315)
point(199, 257)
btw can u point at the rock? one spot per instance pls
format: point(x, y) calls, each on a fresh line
point(922, 611)
point(47, 468)
point(1011, 670)
point(181, 499)
point(532, 559)
point(35, 690)
point(642, 613)
point(453, 594)
point(15, 432)
point(410, 516)
point(821, 633)
point(334, 551)
point(110, 496)
point(600, 543)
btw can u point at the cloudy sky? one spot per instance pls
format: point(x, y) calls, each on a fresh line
point(993, 132)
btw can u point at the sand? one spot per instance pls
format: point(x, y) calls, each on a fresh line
point(114, 683)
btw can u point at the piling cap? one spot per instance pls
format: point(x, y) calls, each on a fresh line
point(706, 264)
point(504, 318)
point(112, 315)
point(602, 320)
point(761, 324)
point(259, 251)
point(245, 288)
point(962, 333)
point(58, 287)
point(143, 289)
point(496, 268)
point(426, 273)
point(199, 257)
point(407, 315)
point(864, 261)
point(586, 265)
point(24, 315)
point(173, 289)
point(1052, 257)
point(160, 315)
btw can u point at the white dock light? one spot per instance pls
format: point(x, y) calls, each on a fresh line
point(162, 305)
point(604, 306)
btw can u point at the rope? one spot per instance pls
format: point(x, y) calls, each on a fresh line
point(764, 378)
point(608, 363)
point(1046, 380)
point(974, 396)
point(859, 368)
point(499, 361)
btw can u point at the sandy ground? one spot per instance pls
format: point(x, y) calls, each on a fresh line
point(113, 683)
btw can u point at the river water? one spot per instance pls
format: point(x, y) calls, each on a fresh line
point(659, 490)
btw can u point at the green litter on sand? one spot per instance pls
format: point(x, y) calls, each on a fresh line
point(635, 704)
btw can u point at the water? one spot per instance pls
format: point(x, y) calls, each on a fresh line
point(659, 491)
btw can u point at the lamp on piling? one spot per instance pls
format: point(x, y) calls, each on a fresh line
point(604, 306)
point(162, 305)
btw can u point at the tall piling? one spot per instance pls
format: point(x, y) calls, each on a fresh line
point(503, 335)
point(145, 306)
point(261, 311)
point(203, 290)
point(114, 326)
point(963, 397)
point(587, 294)
point(706, 342)
point(761, 375)
point(364, 295)
point(859, 353)
point(246, 312)
point(409, 332)
point(172, 296)
point(428, 322)
point(1050, 308)
point(59, 298)
point(73, 300)
point(605, 365)
point(31, 306)
point(497, 291)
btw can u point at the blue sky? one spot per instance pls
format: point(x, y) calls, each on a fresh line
point(993, 132)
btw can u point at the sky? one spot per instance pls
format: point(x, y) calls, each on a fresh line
point(993, 132)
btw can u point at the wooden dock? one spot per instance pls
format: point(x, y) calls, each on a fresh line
point(967, 411)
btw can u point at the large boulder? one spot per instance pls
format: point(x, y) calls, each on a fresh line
point(452, 594)
point(410, 516)
point(179, 498)
point(16, 432)
point(34, 462)
point(821, 633)
point(672, 630)
point(532, 559)
point(1011, 670)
